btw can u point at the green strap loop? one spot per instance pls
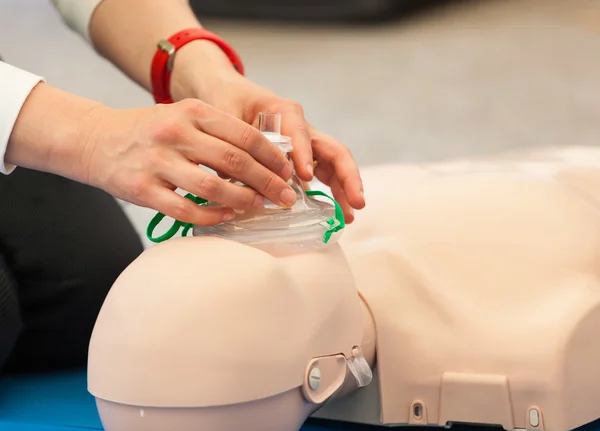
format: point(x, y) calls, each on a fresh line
point(176, 225)
point(336, 223)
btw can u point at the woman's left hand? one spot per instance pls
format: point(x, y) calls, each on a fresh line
point(315, 153)
point(236, 95)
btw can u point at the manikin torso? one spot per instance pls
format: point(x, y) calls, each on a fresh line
point(476, 283)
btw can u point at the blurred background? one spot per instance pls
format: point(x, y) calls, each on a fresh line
point(394, 80)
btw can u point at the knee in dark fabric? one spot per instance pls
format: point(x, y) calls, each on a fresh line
point(59, 313)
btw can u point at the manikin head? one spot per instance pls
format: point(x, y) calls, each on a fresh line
point(207, 331)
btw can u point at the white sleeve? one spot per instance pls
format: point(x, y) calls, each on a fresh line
point(15, 86)
point(77, 14)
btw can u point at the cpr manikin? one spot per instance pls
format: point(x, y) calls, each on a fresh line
point(471, 289)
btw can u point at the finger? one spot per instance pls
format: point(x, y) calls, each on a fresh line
point(241, 135)
point(293, 124)
point(328, 150)
point(189, 177)
point(325, 173)
point(224, 176)
point(179, 208)
point(341, 199)
point(235, 163)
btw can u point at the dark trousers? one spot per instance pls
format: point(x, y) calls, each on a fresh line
point(62, 246)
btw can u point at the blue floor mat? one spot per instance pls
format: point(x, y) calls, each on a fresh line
point(58, 399)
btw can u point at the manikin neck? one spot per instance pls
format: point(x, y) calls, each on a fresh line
point(369, 341)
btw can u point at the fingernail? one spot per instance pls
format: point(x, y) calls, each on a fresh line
point(228, 216)
point(310, 170)
point(362, 195)
point(288, 197)
point(259, 201)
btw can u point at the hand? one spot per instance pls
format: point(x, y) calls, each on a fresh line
point(230, 92)
point(335, 164)
point(144, 155)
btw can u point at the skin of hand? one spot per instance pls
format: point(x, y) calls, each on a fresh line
point(201, 70)
point(142, 155)
point(237, 95)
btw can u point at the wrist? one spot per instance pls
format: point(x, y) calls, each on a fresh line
point(199, 68)
point(93, 126)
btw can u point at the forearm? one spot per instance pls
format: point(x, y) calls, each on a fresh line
point(53, 133)
point(126, 32)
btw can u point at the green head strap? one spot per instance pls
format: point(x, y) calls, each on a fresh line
point(335, 223)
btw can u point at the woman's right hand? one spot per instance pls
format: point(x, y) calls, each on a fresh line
point(143, 155)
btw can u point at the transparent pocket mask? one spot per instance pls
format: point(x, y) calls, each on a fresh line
point(310, 224)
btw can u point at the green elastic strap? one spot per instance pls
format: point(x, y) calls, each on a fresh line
point(176, 225)
point(336, 223)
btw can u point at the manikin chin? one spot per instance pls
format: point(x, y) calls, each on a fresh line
point(466, 292)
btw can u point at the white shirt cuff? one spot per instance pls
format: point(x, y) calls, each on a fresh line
point(15, 86)
point(77, 14)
